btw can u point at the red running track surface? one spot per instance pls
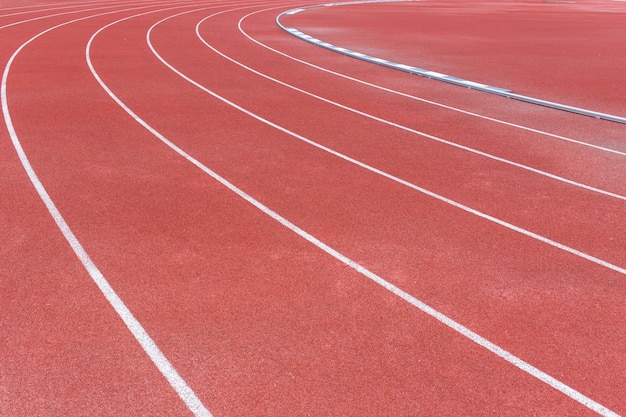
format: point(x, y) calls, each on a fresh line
point(140, 120)
point(564, 52)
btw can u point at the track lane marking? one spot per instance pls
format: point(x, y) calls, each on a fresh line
point(183, 390)
point(52, 4)
point(52, 8)
point(398, 180)
point(426, 101)
point(33, 19)
point(410, 130)
point(500, 352)
point(162, 2)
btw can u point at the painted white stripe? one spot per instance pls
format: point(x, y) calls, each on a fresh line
point(108, 6)
point(42, 10)
point(135, 327)
point(439, 197)
point(33, 19)
point(417, 132)
point(39, 6)
point(509, 357)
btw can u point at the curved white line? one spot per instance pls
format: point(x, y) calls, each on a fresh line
point(509, 357)
point(33, 19)
point(125, 3)
point(410, 130)
point(426, 101)
point(73, 6)
point(55, 5)
point(391, 177)
point(135, 327)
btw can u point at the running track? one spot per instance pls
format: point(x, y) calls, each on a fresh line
point(202, 214)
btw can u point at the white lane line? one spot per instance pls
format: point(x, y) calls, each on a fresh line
point(135, 327)
point(407, 129)
point(33, 19)
point(426, 101)
point(32, 6)
point(108, 6)
point(476, 338)
point(73, 6)
point(53, 7)
point(367, 167)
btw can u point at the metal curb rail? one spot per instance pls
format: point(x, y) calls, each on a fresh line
point(503, 92)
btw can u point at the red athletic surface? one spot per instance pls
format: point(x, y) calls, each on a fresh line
point(566, 52)
point(258, 321)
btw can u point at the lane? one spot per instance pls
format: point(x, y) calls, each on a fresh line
point(146, 213)
point(6, 14)
point(317, 201)
point(18, 6)
point(64, 350)
point(404, 127)
point(370, 147)
point(535, 215)
point(224, 288)
point(11, 23)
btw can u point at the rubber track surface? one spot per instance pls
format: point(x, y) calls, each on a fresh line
point(503, 217)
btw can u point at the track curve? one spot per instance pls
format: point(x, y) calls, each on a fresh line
point(261, 281)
